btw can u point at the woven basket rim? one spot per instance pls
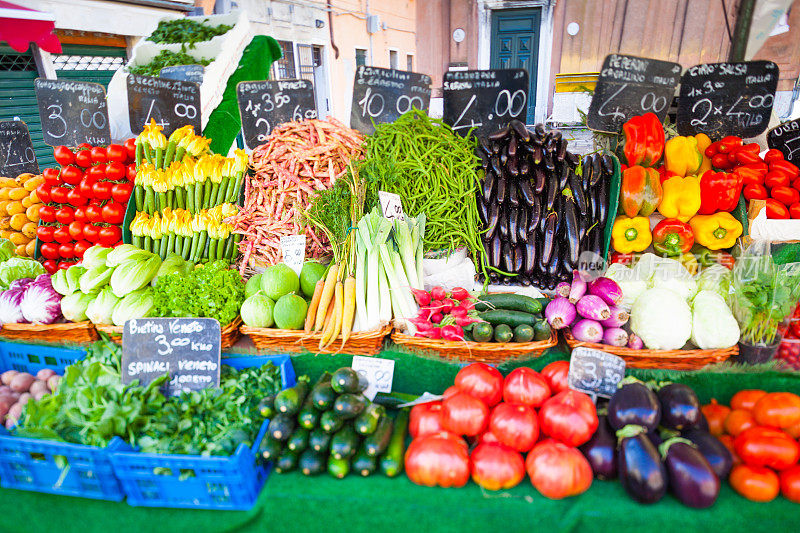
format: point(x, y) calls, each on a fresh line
point(476, 349)
point(666, 354)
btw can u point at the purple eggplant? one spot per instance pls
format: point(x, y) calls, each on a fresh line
point(639, 465)
point(702, 423)
point(634, 403)
point(691, 478)
point(717, 455)
point(492, 223)
point(680, 407)
point(522, 224)
point(489, 182)
point(601, 451)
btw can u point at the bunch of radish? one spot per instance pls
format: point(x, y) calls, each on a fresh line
point(444, 315)
point(18, 388)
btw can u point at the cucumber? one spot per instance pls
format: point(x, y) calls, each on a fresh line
point(347, 380)
point(510, 318)
point(367, 421)
point(350, 405)
point(281, 427)
point(376, 443)
point(312, 463)
point(270, 448)
point(503, 333)
point(290, 400)
point(391, 400)
point(344, 443)
point(330, 422)
point(541, 330)
point(392, 460)
point(338, 468)
point(266, 407)
point(319, 441)
point(323, 396)
point(286, 462)
point(523, 333)
point(511, 302)
point(364, 464)
point(482, 332)
point(298, 441)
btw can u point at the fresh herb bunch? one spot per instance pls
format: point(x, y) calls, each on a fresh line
point(165, 58)
point(186, 31)
point(212, 291)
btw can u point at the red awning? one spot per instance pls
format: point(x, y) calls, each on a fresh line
point(21, 26)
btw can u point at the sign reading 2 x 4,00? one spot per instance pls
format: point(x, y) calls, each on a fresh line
point(171, 103)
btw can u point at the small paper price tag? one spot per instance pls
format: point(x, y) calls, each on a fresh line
point(391, 205)
point(293, 249)
point(378, 372)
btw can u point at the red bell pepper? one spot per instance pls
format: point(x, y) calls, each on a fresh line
point(664, 174)
point(755, 191)
point(794, 210)
point(624, 259)
point(775, 209)
point(785, 195)
point(719, 191)
point(777, 178)
point(644, 140)
point(772, 155)
point(671, 237)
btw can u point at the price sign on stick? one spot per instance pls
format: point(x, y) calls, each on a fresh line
point(391, 206)
point(721, 99)
point(183, 72)
point(72, 112)
point(595, 372)
point(378, 372)
point(188, 349)
point(484, 99)
point(263, 105)
point(171, 103)
point(16, 149)
point(293, 250)
point(629, 86)
point(383, 94)
point(786, 138)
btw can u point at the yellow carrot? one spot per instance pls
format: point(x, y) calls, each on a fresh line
point(349, 311)
point(338, 312)
point(327, 295)
point(327, 328)
point(312, 309)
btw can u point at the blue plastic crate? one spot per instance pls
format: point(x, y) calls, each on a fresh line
point(191, 481)
point(33, 357)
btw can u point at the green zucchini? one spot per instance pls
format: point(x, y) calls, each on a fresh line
point(376, 443)
point(308, 417)
point(312, 463)
point(270, 448)
point(319, 441)
point(510, 302)
point(323, 396)
point(331, 422)
point(482, 332)
point(392, 460)
point(338, 468)
point(266, 407)
point(541, 330)
point(503, 333)
point(510, 318)
point(290, 400)
point(523, 333)
point(364, 464)
point(347, 380)
point(391, 400)
point(350, 405)
point(367, 421)
point(281, 427)
point(344, 443)
point(298, 441)
point(286, 462)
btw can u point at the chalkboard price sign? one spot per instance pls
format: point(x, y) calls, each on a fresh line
point(263, 105)
point(72, 112)
point(16, 149)
point(183, 73)
point(171, 103)
point(188, 349)
point(383, 94)
point(721, 99)
point(629, 86)
point(786, 138)
point(484, 99)
point(595, 372)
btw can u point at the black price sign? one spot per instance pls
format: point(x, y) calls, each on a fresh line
point(383, 94)
point(263, 105)
point(721, 99)
point(786, 138)
point(188, 349)
point(16, 149)
point(183, 73)
point(72, 112)
point(629, 86)
point(484, 99)
point(171, 103)
point(595, 372)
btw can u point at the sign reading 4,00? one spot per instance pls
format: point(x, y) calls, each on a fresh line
point(170, 103)
point(72, 112)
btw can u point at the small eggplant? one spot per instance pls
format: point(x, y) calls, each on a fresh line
point(555, 259)
point(597, 168)
point(495, 147)
point(512, 146)
point(513, 233)
point(717, 455)
point(549, 143)
point(586, 167)
point(539, 181)
point(557, 135)
point(494, 219)
point(563, 175)
point(513, 166)
point(513, 196)
point(572, 159)
point(535, 214)
point(550, 223)
point(507, 258)
point(496, 167)
point(552, 192)
point(486, 147)
point(501, 189)
point(702, 423)
point(525, 192)
point(607, 165)
point(504, 155)
point(525, 281)
point(502, 225)
point(537, 154)
point(591, 209)
point(561, 149)
point(577, 193)
point(549, 162)
point(538, 132)
point(634, 403)
point(572, 237)
point(520, 129)
point(500, 134)
point(691, 478)
point(489, 184)
point(601, 451)
point(525, 167)
point(496, 251)
point(530, 255)
point(680, 407)
point(522, 224)
point(485, 161)
point(483, 210)
point(519, 259)
point(639, 465)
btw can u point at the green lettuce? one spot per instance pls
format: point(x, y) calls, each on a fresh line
point(137, 304)
point(74, 275)
point(173, 264)
point(18, 268)
point(95, 256)
point(6, 250)
point(101, 309)
point(134, 275)
point(125, 253)
point(59, 282)
point(73, 306)
point(95, 279)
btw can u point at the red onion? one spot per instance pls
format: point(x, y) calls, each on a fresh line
point(591, 306)
point(578, 287)
point(562, 289)
point(615, 337)
point(559, 313)
point(587, 330)
point(619, 317)
point(635, 342)
point(607, 289)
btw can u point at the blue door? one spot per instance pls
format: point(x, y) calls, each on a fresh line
point(515, 44)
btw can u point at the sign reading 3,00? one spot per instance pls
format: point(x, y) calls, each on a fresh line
point(170, 103)
point(72, 112)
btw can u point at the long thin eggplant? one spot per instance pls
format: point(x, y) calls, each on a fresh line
point(607, 165)
point(601, 193)
point(537, 154)
point(577, 193)
point(502, 225)
point(691, 478)
point(634, 403)
point(596, 241)
point(501, 189)
point(572, 159)
point(513, 215)
point(530, 254)
point(551, 221)
point(563, 175)
point(496, 251)
point(519, 258)
point(504, 155)
point(717, 455)
point(507, 258)
point(591, 208)
point(555, 259)
point(549, 161)
point(552, 192)
point(512, 193)
point(483, 210)
point(573, 239)
point(489, 184)
point(549, 143)
point(561, 149)
point(535, 214)
point(485, 160)
point(486, 147)
point(520, 129)
point(496, 167)
point(586, 171)
point(513, 166)
point(494, 219)
point(522, 224)
point(525, 192)
point(639, 466)
point(680, 407)
point(500, 134)
point(597, 170)
point(539, 180)
point(601, 451)
point(525, 166)
point(512, 146)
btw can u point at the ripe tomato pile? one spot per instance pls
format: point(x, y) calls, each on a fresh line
point(84, 201)
point(789, 350)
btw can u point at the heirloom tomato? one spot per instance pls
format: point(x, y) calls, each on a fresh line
point(496, 467)
point(558, 470)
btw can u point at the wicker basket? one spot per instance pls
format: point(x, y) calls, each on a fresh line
point(66, 333)
point(480, 352)
point(229, 334)
point(659, 359)
point(293, 341)
point(114, 332)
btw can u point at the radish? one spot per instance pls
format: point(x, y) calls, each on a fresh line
point(452, 333)
point(423, 298)
point(438, 293)
point(459, 293)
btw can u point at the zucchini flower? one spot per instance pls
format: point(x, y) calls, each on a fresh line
point(172, 143)
point(195, 145)
point(237, 179)
point(157, 142)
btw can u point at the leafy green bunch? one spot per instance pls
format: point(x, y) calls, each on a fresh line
point(165, 58)
point(186, 31)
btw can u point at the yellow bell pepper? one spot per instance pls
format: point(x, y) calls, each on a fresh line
point(682, 156)
point(681, 198)
point(631, 234)
point(716, 231)
point(703, 142)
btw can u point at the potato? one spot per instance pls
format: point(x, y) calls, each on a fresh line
point(4, 193)
point(30, 248)
point(18, 238)
point(14, 413)
point(45, 373)
point(24, 398)
point(32, 213)
point(34, 197)
point(52, 382)
point(25, 176)
point(38, 386)
point(5, 233)
point(17, 193)
point(34, 182)
point(5, 389)
point(5, 405)
point(18, 220)
point(22, 382)
point(12, 208)
point(29, 229)
point(9, 182)
point(7, 376)
point(27, 202)
point(3, 207)
point(21, 250)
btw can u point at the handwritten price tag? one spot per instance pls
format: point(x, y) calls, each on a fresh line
point(293, 249)
point(391, 206)
point(378, 372)
point(595, 372)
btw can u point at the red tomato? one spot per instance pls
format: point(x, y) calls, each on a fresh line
point(63, 155)
point(487, 436)
point(108, 236)
point(425, 418)
point(130, 148)
point(776, 209)
point(462, 414)
point(569, 417)
point(91, 233)
point(102, 190)
point(777, 409)
point(116, 153)
point(437, 460)
point(793, 431)
point(71, 175)
point(121, 192)
point(51, 176)
point(790, 484)
point(94, 213)
point(113, 213)
point(777, 178)
point(81, 247)
point(99, 155)
point(496, 467)
point(526, 386)
point(75, 198)
point(481, 381)
point(116, 170)
point(65, 214)
point(61, 235)
point(449, 391)
point(755, 483)
point(131, 172)
point(727, 441)
point(514, 425)
point(67, 250)
point(47, 213)
point(45, 233)
point(50, 266)
point(98, 172)
point(49, 250)
point(59, 195)
point(76, 230)
point(83, 158)
point(85, 186)
point(43, 193)
point(558, 471)
point(794, 209)
point(80, 214)
point(738, 421)
point(755, 192)
point(785, 195)
point(715, 416)
point(762, 446)
point(556, 376)
point(772, 155)
point(747, 398)
point(63, 265)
